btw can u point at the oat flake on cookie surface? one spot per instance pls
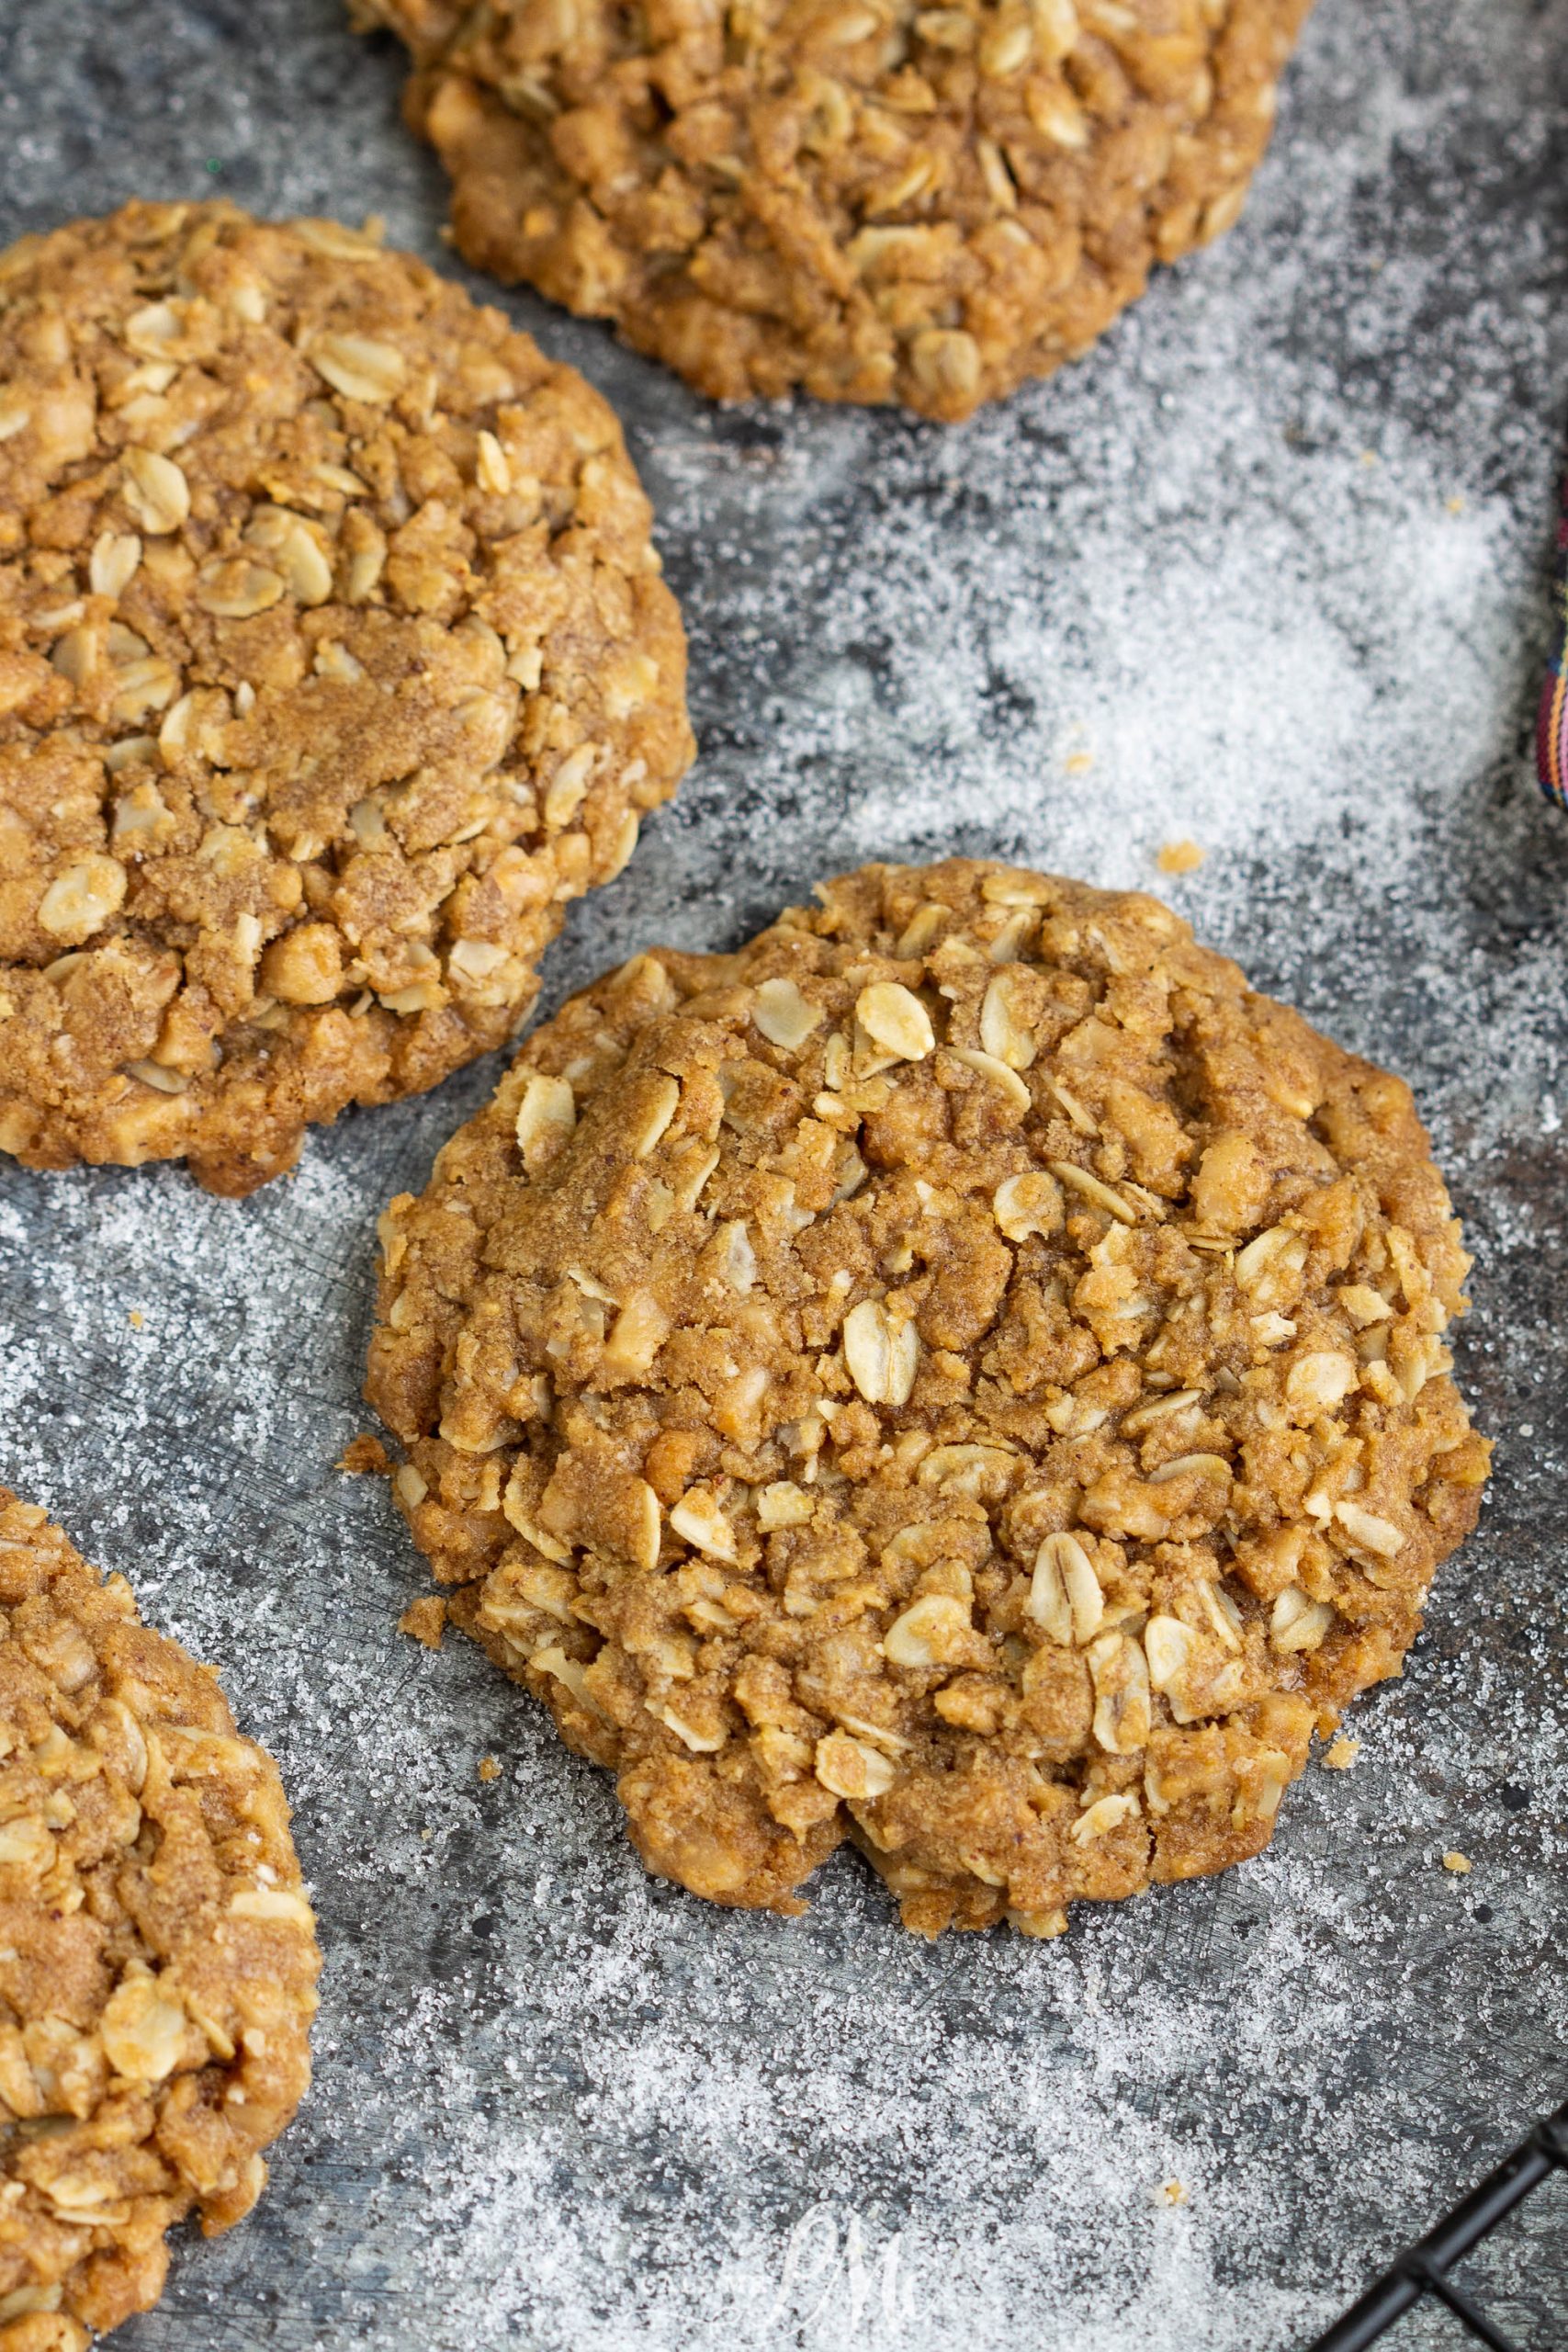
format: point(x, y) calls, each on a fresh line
point(333, 660)
point(158, 1958)
point(872, 199)
point(963, 1373)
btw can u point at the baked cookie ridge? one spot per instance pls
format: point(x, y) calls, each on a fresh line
point(335, 661)
point(964, 1374)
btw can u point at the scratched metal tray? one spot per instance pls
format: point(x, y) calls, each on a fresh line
point(1266, 572)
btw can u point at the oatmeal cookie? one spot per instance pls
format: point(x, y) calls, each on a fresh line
point(157, 1954)
point(333, 660)
point(963, 1373)
point(875, 201)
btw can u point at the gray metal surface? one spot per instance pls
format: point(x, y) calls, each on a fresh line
point(1267, 571)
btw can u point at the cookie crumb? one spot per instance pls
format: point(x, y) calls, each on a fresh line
point(1459, 1863)
point(1078, 762)
point(364, 1455)
point(1342, 1755)
point(1180, 858)
point(1456, 506)
point(1174, 2192)
point(488, 1768)
point(426, 1620)
point(136, 1319)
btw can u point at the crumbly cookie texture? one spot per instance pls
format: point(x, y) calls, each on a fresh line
point(157, 1954)
point(333, 660)
point(963, 1373)
point(876, 201)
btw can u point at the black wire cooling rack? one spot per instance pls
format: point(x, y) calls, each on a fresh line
point(1424, 2269)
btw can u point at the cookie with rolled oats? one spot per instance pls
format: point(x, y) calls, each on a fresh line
point(875, 201)
point(963, 1373)
point(158, 1958)
point(335, 659)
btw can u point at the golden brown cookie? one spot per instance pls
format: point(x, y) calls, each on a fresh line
point(963, 1373)
point(333, 660)
point(875, 201)
point(157, 1954)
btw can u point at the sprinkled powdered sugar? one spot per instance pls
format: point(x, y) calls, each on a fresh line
point(1164, 597)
